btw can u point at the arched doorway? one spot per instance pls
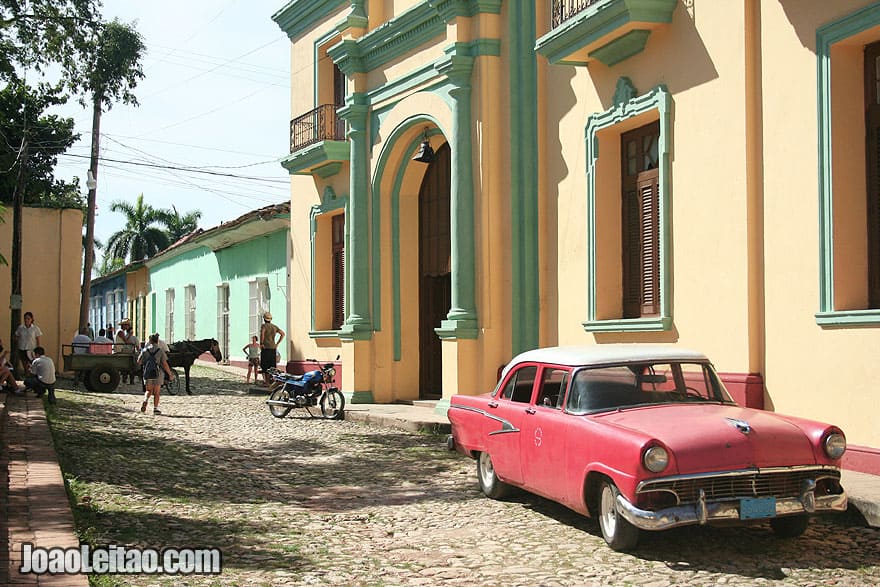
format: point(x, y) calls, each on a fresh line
point(435, 282)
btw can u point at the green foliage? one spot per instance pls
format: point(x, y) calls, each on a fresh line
point(39, 33)
point(109, 264)
point(22, 116)
point(113, 68)
point(140, 238)
point(179, 226)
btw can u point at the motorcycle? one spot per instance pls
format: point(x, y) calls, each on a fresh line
point(309, 390)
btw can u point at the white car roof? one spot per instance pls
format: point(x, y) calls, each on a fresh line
point(602, 354)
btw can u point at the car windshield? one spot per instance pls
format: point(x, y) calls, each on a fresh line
point(599, 389)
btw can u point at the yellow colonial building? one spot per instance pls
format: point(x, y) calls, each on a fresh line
point(51, 271)
point(474, 178)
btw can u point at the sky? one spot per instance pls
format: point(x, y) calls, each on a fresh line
point(215, 98)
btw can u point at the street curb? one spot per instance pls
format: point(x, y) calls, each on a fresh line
point(435, 428)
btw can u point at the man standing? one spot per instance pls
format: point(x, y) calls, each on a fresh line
point(269, 344)
point(154, 363)
point(27, 338)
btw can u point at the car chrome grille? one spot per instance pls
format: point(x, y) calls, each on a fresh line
point(738, 484)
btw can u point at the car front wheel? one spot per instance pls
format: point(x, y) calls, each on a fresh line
point(490, 484)
point(616, 530)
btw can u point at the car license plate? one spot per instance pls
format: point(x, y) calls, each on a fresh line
point(752, 508)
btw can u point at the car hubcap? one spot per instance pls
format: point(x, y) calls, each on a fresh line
point(487, 470)
point(609, 514)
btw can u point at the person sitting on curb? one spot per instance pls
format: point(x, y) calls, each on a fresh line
point(42, 376)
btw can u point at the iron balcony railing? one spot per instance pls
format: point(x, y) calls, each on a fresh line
point(565, 9)
point(320, 124)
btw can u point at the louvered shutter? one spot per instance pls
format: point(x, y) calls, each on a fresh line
point(649, 245)
point(631, 255)
point(338, 271)
point(872, 151)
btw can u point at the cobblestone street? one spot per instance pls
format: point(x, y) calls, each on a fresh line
point(308, 501)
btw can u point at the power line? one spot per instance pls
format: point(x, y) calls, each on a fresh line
point(187, 169)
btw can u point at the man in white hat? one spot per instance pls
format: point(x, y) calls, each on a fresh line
point(269, 344)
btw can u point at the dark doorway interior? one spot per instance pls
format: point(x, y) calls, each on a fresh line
point(435, 294)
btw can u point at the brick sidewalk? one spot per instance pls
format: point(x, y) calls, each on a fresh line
point(36, 509)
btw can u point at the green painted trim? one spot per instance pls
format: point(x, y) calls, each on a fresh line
point(458, 329)
point(327, 170)
point(597, 21)
point(458, 68)
point(442, 406)
point(298, 16)
point(305, 160)
point(622, 47)
point(524, 246)
point(358, 397)
point(849, 318)
point(826, 36)
point(323, 333)
point(357, 254)
point(329, 203)
point(629, 325)
point(658, 99)
point(405, 33)
point(409, 151)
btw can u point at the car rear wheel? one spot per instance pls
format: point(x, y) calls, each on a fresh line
point(790, 526)
point(490, 484)
point(616, 530)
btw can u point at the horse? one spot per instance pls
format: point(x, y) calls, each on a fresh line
point(183, 353)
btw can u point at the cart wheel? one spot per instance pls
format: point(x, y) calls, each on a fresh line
point(103, 378)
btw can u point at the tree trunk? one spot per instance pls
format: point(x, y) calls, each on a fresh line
point(90, 218)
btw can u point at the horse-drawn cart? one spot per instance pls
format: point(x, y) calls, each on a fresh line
point(100, 366)
point(99, 371)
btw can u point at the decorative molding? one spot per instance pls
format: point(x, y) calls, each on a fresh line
point(585, 29)
point(826, 36)
point(405, 33)
point(658, 99)
point(304, 161)
point(330, 202)
point(845, 318)
point(624, 91)
point(622, 47)
point(524, 207)
point(298, 16)
point(327, 170)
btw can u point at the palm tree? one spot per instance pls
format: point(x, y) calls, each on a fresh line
point(179, 226)
point(140, 238)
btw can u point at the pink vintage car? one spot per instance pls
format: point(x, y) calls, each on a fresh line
point(645, 437)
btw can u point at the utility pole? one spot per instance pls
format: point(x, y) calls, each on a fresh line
point(90, 217)
point(15, 270)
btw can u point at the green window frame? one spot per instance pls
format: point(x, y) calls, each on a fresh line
point(627, 106)
point(826, 36)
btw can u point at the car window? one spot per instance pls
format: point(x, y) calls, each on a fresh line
point(520, 383)
point(621, 386)
point(553, 384)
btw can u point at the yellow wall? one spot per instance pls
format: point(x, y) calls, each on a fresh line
point(51, 275)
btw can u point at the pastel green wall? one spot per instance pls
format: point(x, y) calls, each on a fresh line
point(236, 266)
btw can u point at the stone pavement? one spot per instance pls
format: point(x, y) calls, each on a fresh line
point(433, 545)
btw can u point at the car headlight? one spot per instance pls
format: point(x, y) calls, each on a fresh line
point(655, 459)
point(835, 445)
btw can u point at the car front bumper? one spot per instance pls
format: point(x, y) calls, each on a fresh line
point(702, 512)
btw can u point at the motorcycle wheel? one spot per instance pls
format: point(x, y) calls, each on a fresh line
point(279, 395)
point(332, 404)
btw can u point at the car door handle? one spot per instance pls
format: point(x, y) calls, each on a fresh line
point(530, 410)
point(493, 404)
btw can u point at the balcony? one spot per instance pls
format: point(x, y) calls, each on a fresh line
point(608, 31)
point(317, 143)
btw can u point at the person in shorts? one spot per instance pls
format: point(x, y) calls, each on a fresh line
point(252, 350)
point(152, 385)
point(269, 345)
